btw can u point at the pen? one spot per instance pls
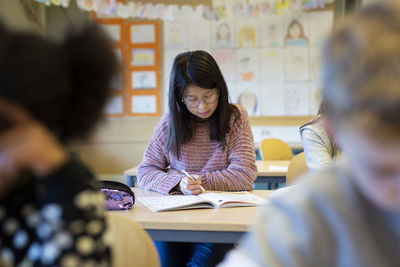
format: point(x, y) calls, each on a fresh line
point(191, 177)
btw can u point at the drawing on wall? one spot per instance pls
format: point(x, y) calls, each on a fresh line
point(144, 33)
point(144, 104)
point(320, 26)
point(143, 57)
point(223, 34)
point(295, 34)
point(114, 106)
point(175, 34)
point(272, 61)
point(296, 99)
point(272, 99)
point(296, 64)
point(315, 63)
point(113, 31)
point(169, 56)
point(247, 33)
point(247, 65)
point(271, 31)
point(248, 100)
point(199, 35)
point(144, 80)
point(226, 59)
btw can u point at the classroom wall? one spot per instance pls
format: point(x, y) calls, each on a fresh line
point(119, 143)
point(13, 15)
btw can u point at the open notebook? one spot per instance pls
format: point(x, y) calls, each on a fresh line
point(204, 200)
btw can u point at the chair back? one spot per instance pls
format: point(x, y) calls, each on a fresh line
point(297, 166)
point(275, 149)
point(131, 246)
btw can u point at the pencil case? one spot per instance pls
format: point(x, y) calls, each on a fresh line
point(117, 196)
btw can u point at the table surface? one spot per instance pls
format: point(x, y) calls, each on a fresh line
point(235, 219)
point(263, 168)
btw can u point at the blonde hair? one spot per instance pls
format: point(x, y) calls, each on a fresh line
point(361, 70)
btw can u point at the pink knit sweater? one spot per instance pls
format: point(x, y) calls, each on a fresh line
point(231, 169)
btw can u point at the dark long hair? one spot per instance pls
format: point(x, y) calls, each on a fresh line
point(196, 68)
point(66, 84)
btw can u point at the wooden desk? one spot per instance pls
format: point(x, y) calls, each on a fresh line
point(264, 174)
point(225, 225)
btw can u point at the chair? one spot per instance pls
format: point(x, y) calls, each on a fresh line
point(296, 167)
point(275, 149)
point(131, 246)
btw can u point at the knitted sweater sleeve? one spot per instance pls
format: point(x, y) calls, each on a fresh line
point(241, 170)
point(152, 171)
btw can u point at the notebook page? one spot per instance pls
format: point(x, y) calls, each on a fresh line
point(169, 202)
point(221, 198)
point(274, 168)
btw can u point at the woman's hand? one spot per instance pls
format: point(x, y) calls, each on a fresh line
point(191, 186)
point(26, 145)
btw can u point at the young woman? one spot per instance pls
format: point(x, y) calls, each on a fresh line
point(202, 133)
point(347, 215)
point(319, 146)
point(50, 212)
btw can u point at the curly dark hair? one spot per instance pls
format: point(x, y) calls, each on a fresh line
point(64, 84)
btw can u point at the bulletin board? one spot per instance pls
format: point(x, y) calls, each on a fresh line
point(136, 87)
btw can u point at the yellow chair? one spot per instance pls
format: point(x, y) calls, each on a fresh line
point(275, 149)
point(131, 245)
point(297, 166)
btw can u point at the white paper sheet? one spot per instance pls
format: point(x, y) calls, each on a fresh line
point(296, 64)
point(271, 31)
point(199, 34)
point(226, 60)
point(297, 99)
point(247, 33)
point(272, 60)
point(175, 34)
point(248, 96)
point(320, 25)
point(143, 57)
point(144, 33)
point(223, 33)
point(144, 104)
point(114, 106)
point(144, 79)
point(247, 65)
point(296, 30)
point(113, 31)
point(272, 99)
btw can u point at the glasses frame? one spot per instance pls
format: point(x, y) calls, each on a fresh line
point(200, 100)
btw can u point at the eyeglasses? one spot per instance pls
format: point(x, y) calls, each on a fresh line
point(195, 102)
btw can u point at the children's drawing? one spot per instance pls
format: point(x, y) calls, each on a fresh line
point(271, 31)
point(199, 34)
point(223, 33)
point(272, 64)
point(144, 104)
point(247, 33)
point(143, 57)
point(296, 64)
point(247, 95)
point(226, 59)
point(296, 99)
point(320, 26)
point(114, 106)
point(168, 60)
point(144, 80)
point(113, 31)
point(175, 34)
point(247, 65)
point(142, 33)
point(272, 99)
point(295, 34)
